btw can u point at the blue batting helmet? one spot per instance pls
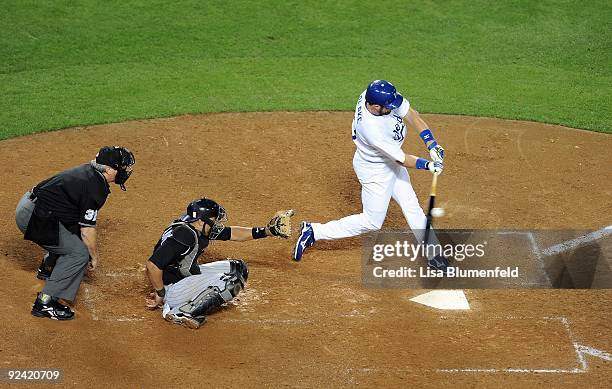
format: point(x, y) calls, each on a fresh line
point(382, 92)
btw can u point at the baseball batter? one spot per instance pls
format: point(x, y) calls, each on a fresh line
point(378, 131)
point(188, 291)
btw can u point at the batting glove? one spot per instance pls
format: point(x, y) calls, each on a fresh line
point(435, 167)
point(437, 153)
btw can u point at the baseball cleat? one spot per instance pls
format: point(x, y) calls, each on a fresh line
point(439, 262)
point(52, 310)
point(305, 240)
point(185, 319)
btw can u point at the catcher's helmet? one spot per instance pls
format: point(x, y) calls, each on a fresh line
point(209, 212)
point(382, 92)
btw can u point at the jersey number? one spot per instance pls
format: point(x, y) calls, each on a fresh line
point(91, 215)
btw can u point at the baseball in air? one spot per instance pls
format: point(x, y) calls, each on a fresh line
point(437, 212)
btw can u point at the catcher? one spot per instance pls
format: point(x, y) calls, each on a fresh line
point(188, 291)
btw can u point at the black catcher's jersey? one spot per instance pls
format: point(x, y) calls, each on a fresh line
point(177, 251)
point(74, 196)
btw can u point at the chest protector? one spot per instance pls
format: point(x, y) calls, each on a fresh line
point(189, 256)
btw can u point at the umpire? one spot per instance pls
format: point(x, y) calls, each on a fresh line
point(59, 214)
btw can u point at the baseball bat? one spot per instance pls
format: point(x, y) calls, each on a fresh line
point(432, 202)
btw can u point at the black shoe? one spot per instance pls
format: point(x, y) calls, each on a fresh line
point(46, 267)
point(53, 310)
point(439, 262)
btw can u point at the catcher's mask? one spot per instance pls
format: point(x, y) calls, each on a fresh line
point(211, 213)
point(120, 159)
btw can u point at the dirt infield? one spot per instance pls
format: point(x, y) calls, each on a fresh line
point(311, 323)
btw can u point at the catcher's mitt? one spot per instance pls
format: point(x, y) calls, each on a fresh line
point(280, 224)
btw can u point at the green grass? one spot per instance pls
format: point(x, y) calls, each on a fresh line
point(68, 63)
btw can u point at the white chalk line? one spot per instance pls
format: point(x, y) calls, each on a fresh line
point(522, 154)
point(272, 321)
point(536, 250)
point(124, 274)
point(579, 356)
point(526, 233)
point(88, 302)
point(581, 350)
point(576, 242)
point(596, 353)
point(534, 246)
point(126, 319)
point(465, 134)
point(559, 247)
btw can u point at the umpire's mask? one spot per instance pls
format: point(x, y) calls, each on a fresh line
point(120, 159)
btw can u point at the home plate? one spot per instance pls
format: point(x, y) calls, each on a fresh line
point(443, 299)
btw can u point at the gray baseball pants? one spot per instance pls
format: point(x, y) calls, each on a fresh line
point(73, 255)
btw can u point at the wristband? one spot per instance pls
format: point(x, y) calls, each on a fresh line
point(259, 232)
point(161, 292)
point(422, 163)
point(427, 136)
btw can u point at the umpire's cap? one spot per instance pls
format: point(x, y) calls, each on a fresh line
point(116, 157)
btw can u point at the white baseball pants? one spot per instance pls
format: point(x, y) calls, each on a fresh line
point(177, 295)
point(379, 183)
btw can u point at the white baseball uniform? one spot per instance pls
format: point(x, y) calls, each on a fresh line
point(178, 294)
point(377, 163)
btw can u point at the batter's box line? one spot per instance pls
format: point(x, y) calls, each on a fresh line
point(297, 322)
point(125, 273)
point(88, 303)
point(581, 351)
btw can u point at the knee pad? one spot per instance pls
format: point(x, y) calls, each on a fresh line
point(240, 269)
point(234, 283)
point(213, 297)
point(208, 300)
point(235, 279)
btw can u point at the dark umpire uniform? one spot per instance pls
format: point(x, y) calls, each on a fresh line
point(52, 215)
